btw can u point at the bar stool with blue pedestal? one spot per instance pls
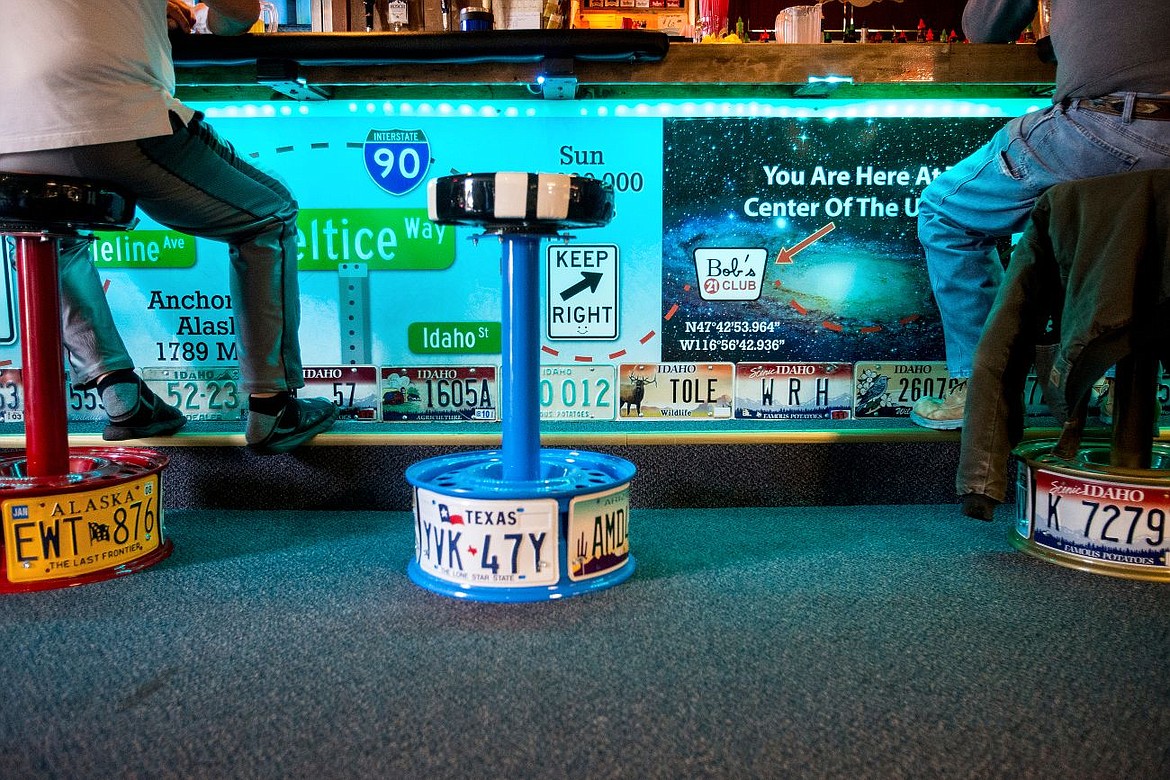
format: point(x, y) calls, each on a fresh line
point(521, 523)
point(70, 516)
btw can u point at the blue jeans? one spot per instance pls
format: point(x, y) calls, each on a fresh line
point(194, 182)
point(990, 195)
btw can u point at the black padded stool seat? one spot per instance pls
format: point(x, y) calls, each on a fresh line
point(59, 205)
point(520, 202)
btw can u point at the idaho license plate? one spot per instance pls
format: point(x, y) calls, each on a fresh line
point(578, 392)
point(353, 388)
point(486, 542)
point(793, 391)
point(11, 395)
point(890, 389)
point(454, 393)
point(1109, 521)
point(688, 391)
point(78, 533)
point(211, 393)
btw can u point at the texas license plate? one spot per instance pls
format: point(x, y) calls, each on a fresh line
point(687, 391)
point(1107, 521)
point(890, 389)
point(486, 542)
point(211, 393)
point(78, 533)
point(793, 391)
point(578, 392)
point(354, 389)
point(454, 393)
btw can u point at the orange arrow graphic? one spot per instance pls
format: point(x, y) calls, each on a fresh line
point(786, 255)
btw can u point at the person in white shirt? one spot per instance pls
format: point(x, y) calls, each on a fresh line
point(88, 92)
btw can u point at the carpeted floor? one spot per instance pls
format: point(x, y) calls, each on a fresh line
point(842, 642)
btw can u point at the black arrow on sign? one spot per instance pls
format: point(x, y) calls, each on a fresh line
point(589, 279)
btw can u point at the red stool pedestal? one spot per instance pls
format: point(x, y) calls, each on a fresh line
point(69, 517)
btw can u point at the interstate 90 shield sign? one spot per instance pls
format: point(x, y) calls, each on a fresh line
point(397, 160)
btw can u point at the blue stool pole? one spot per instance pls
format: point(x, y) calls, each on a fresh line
point(520, 359)
point(552, 500)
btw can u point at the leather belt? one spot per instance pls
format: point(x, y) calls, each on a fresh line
point(1143, 108)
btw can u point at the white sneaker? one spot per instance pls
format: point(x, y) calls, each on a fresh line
point(941, 414)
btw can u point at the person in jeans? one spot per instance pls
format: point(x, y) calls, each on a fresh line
point(1110, 114)
point(89, 92)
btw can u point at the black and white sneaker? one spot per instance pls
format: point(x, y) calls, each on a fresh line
point(297, 422)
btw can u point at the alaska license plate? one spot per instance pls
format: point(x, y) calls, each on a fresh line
point(354, 389)
point(68, 535)
point(578, 392)
point(453, 393)
point(793, 391)
point(1108, 521)
point(211, 393)
point(688, 391)
point(486, 542)
point(890, 389)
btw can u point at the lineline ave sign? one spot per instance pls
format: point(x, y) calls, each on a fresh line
point(582, 291)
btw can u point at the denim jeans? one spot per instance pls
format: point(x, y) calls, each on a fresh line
point(194, 182)
point(990, 194)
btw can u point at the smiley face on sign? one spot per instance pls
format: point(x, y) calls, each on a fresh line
point(397, 160)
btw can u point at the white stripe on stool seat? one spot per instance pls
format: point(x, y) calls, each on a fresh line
point(511, 196)
point(552, 196)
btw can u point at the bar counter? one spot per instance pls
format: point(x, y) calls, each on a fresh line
point(605, 63)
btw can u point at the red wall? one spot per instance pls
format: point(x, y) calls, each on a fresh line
point(888, 14)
